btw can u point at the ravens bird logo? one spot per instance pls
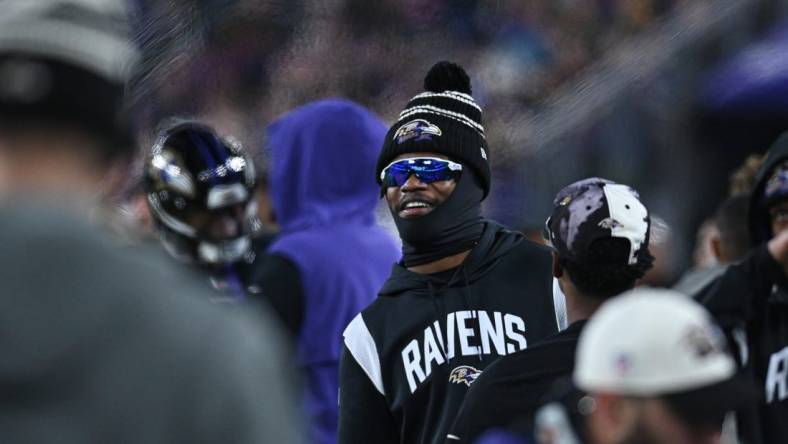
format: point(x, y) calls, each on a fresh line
point(418, 129)
point(610, 224)
point(464, 374)
point(704, 341)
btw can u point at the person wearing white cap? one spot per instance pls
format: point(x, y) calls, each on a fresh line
point(654, 369)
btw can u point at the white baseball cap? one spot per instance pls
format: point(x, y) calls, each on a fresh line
point(651, 342)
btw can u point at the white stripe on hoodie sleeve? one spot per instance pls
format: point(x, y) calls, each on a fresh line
point(360, 344)
point(559, 303)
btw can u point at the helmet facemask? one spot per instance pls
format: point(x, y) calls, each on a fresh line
point(200, 190)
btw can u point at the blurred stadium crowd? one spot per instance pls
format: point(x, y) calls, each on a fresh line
point(267, 221)
point(557, 80)
point(269, 56)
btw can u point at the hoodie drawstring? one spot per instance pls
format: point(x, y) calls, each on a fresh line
point(475, 313)
point(440, 313)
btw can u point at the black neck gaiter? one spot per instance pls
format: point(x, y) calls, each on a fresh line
point(452, 227)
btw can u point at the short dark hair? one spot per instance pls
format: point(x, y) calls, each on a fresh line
point(732, 222)
point(606, 271)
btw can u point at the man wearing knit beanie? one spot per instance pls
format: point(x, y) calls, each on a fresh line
point(466, 290)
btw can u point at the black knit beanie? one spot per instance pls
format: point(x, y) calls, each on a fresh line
point(66, 63)
point(444, 119)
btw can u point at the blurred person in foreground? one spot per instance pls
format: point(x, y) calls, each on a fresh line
point(330, 258)
point(200, 190)
point(662, 239)
point(600, 234)
point(724, 238)
point(727, 241)
point(104, 344)
point(651, 367)
point(466, 291)
point(750, 300)
point(732, 240)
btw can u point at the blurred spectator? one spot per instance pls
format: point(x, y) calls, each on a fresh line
point(104, 344)
point(725, 240)
point(703, 256)
point(331, 258)
point(732, 241)
point(661, 239)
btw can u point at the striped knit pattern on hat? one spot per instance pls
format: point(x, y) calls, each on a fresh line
point(90, 34)
point(66, 62)
point(446, 120)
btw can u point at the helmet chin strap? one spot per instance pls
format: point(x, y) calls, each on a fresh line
point(223, 252)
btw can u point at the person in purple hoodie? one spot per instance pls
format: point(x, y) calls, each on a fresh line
point(330, 258)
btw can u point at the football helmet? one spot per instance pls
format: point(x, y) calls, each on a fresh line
point(200, 192)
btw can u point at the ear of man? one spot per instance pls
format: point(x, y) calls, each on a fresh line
point(558, 270)
point(716, 247)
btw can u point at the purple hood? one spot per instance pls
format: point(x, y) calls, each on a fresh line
point(317, 152)
point(324, 193)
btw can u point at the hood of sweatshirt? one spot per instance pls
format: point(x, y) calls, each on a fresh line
point(760, 223)
point(322, 156)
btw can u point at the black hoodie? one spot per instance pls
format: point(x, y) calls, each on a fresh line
point(750, 301)
point(410, 357)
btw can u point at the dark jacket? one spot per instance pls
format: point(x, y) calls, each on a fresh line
point(103, 344)
point(513, 387)
point(237, 281)
point(750, 301)
point(411, 356)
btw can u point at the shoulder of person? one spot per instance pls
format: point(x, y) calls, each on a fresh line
point(528, 362)
point(529, 257)
point(529, 247)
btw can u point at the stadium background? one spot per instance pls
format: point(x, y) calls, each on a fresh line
point(666, 95)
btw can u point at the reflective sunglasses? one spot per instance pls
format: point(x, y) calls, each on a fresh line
point(426, 169)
